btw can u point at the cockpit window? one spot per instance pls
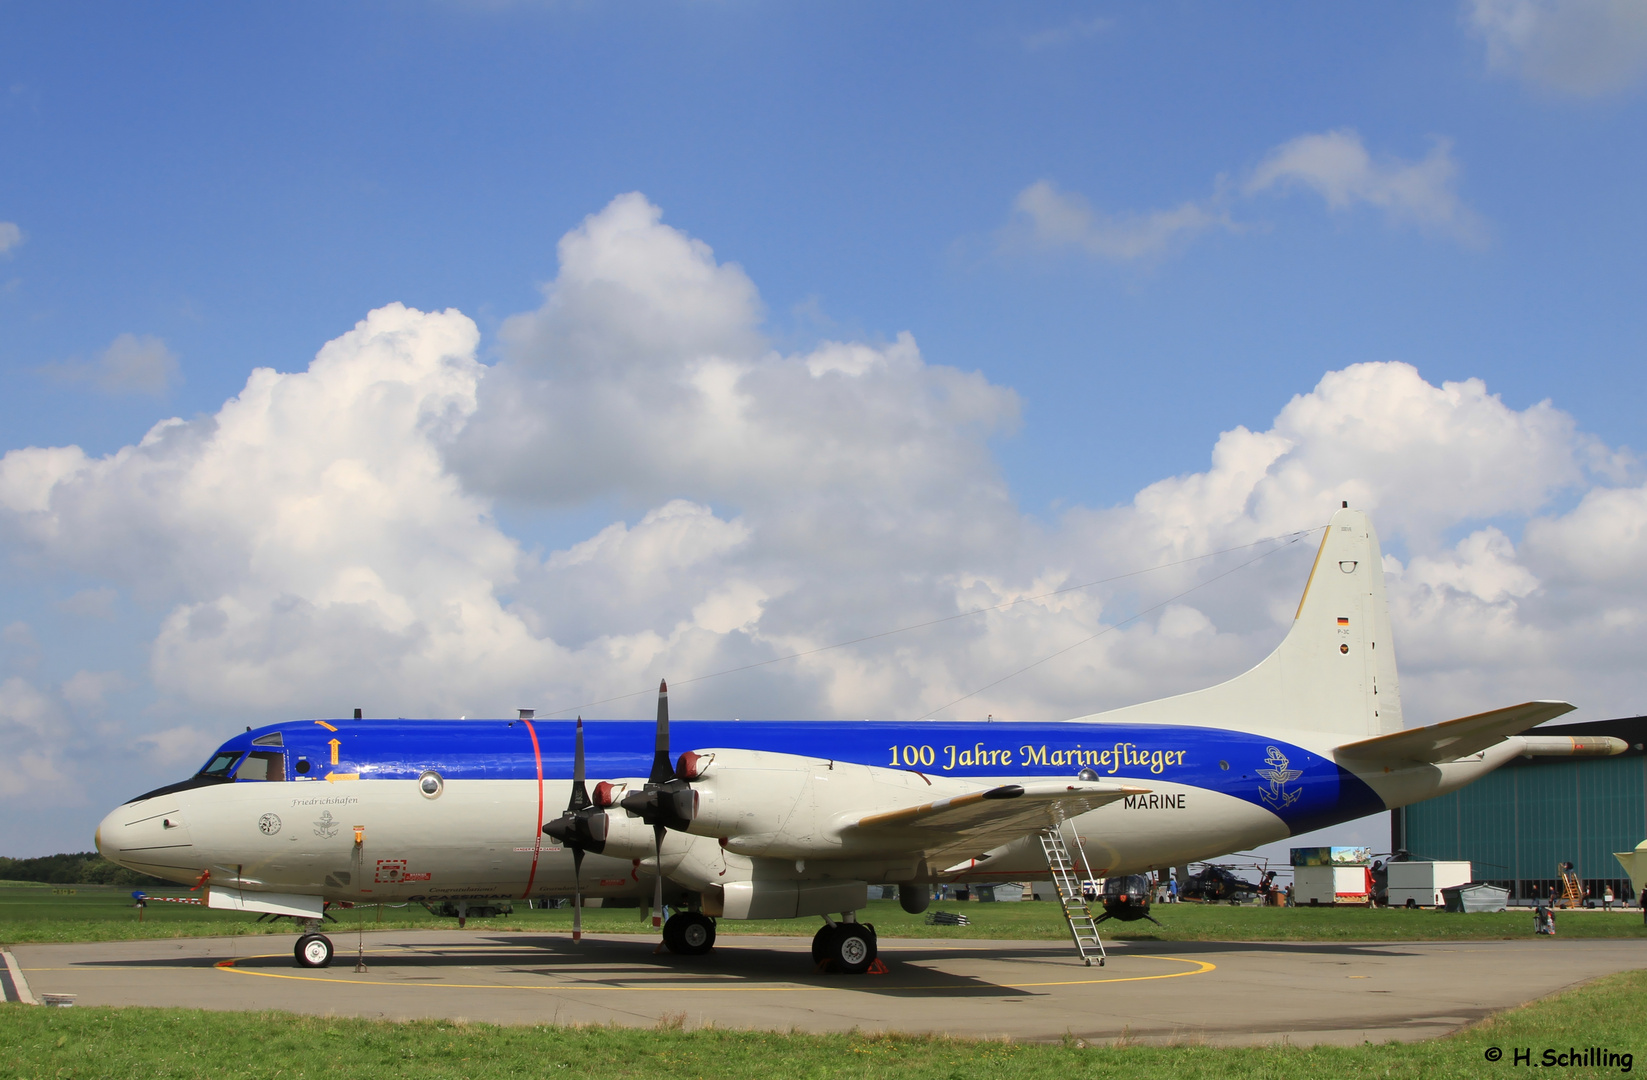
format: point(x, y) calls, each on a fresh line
point(221, 763)
point(262, 765)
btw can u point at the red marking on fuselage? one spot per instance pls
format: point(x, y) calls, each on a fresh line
point(537, 827)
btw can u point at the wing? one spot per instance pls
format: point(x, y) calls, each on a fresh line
point(967, 825)
point(1453, 739)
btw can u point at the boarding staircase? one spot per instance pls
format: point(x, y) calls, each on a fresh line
point(1083, 928)
point(1572, 893)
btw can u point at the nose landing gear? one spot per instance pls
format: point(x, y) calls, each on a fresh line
point(313, 951)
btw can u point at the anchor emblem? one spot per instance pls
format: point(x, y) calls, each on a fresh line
point(1279, 777)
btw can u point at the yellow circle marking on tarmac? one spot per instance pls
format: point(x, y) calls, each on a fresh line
point(1201, 967)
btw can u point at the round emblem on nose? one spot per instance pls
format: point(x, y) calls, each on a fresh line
point(269, 823)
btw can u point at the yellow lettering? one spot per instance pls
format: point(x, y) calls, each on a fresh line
point(950, 750)
point(1034, 755)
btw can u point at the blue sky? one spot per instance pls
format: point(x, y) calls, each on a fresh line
point(1135, 226)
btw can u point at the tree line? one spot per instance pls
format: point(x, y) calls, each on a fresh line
point(75, 868)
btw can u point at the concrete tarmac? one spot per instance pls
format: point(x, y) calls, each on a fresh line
point(1217, 993)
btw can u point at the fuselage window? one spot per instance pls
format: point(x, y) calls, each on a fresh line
point(221, 763)
point(262, 765)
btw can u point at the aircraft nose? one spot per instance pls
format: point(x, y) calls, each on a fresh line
point(107, 837)
point(145, 831)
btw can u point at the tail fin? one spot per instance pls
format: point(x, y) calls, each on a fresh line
point(1334, 672)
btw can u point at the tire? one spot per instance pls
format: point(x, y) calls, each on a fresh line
point(689, 933)
point(313, 951)
point(852, 948)
point(820, 943)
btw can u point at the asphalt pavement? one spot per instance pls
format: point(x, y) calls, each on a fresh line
point(1219, 993)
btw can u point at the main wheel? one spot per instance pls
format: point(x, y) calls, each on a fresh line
point(852, 948)
point(313, 950)
point(689, 933)
point(820, 943)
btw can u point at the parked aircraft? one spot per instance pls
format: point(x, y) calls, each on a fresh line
point(764, 820)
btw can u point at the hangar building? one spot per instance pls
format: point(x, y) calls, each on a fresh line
point(1517, 824)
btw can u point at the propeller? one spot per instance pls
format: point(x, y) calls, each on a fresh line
point(581, 828)
point(667, 801)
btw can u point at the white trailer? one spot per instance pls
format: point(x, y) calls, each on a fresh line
point(1422, 882)
point(1323, 885)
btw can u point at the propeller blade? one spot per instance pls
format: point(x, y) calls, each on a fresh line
point(577, 894)
point(580, 791)
point(657, 897)
point(662, 770)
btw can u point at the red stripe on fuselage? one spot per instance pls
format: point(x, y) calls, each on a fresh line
point(537, 827)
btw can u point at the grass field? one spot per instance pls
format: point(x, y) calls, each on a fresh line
point(38, 914)
point(1610, 1013)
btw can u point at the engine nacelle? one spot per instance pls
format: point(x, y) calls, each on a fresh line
point(785, 899)
point(788, 806)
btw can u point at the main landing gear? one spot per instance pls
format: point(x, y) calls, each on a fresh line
point(313, 950)
point(689, 933)
point(846, 947)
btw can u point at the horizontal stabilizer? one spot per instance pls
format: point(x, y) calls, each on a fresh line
point(980, 820)
point(1452, 739)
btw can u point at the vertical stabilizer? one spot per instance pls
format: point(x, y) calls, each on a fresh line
point(1333, 673)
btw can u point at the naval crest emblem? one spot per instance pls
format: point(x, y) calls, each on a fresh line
point(327, 826)
point(1279, 776)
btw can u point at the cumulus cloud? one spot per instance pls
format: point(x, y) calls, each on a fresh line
point(1581, 47)
point(332, 535)
point(132, 364)
point(31, 737)
point(10, 236)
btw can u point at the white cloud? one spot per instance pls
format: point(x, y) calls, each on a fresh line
point(1044, 217)
point(10, 236)
point(85, 690)
point(1334, 164)
point(328, 538)
point(1582, 47)
point(32, 730)
point(1337, 166)
point(91, 603)
point(132, 364)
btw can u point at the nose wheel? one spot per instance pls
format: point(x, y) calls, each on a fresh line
point(313, 951)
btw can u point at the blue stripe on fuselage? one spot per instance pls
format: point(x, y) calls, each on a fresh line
point(1216, 759)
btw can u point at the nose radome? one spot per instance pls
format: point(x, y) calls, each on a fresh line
point(107, 837)
point(148, 831)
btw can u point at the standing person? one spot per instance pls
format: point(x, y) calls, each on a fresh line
point(1172, 888)
point(1607, 899)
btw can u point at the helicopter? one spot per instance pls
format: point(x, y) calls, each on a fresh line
point(1215, 883)
point(1127, 898)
